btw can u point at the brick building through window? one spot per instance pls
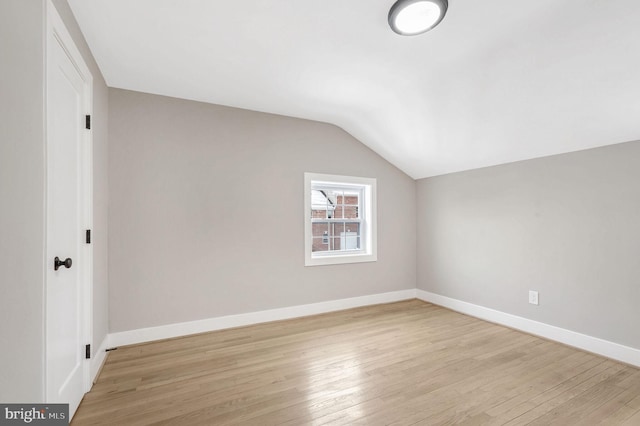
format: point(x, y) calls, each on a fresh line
point(336, 220)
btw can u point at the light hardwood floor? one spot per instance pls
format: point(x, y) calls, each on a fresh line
point(401, 363)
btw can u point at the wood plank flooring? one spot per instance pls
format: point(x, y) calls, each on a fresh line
point(405, 363)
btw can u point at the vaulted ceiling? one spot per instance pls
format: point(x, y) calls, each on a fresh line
point(497, 81)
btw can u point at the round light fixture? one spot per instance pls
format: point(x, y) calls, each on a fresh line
point(411, 17)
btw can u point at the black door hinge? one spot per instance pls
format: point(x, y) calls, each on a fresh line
point(87, 121)
point(87, 351)
point(88, 236)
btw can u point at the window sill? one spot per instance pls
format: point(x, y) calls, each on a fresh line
point(339, 259)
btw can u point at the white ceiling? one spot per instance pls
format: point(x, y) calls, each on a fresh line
point(498, 81)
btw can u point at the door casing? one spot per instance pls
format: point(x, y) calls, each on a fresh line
point(56, 32)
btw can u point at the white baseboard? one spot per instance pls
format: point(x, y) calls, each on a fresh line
point(142, 335)
point(98, 359)
point(595, 345)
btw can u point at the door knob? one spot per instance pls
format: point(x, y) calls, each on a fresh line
point(58, 263)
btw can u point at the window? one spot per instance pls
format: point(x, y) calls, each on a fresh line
point(340, 219)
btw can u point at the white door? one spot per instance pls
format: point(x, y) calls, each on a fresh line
point(67, 284)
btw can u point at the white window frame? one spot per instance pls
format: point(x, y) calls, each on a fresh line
point(368, 229)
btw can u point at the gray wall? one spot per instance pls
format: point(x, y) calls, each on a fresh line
point(206, 212)
point(21, 200)
point(22, 194)
point(567, 226)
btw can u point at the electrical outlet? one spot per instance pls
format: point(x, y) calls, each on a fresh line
point(533, 297)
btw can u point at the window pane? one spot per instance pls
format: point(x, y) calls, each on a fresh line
point(319, 245)
point(320, 234)
point(335, 236)
point(318, 214)
point(350, 212)
point(319, 229)
point(322, 206)
point(350, 237)
point(351, 199)
point(352, 227)
point(347, 205)
point(335, 203)
point(335, 228)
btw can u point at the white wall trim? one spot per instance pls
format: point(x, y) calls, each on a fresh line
point(142, 335)
point(99, 356)
point(595, 345)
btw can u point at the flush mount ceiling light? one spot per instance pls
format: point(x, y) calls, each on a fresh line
point(411, 17)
